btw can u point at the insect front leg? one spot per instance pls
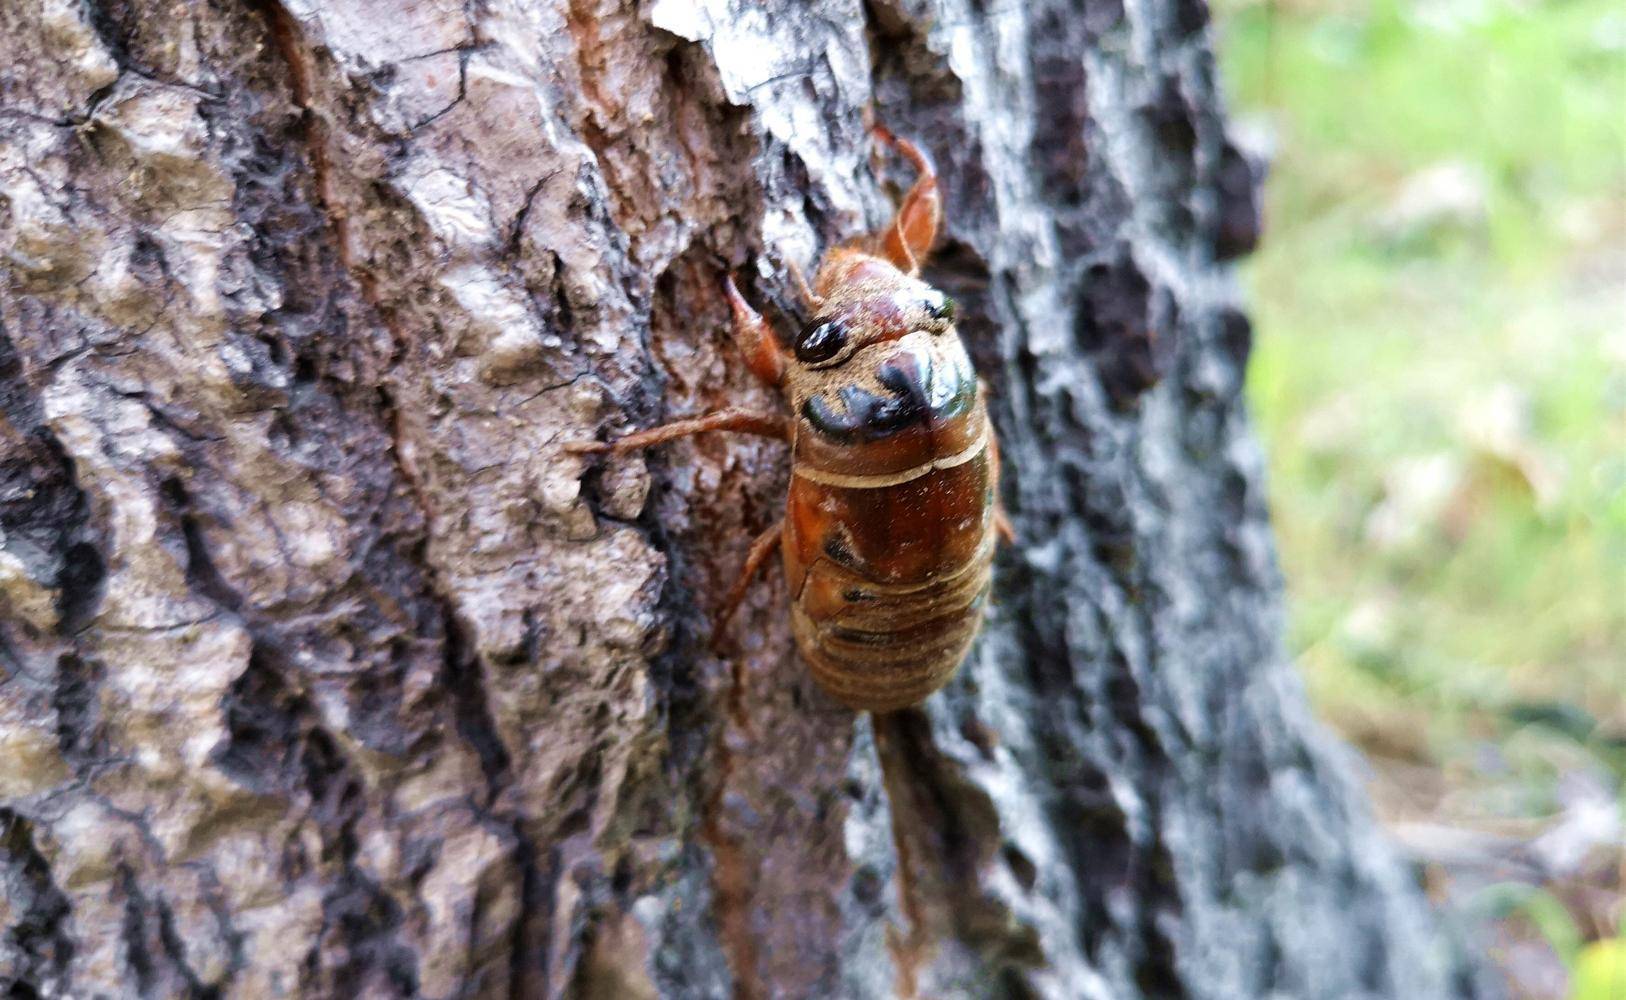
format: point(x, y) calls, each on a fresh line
point(762, 355)
point(910, 236)
point(755, 338)
point(772, 425)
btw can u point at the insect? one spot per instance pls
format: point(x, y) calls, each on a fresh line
point(889, 531)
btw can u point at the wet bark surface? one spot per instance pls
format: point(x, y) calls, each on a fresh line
point(325, 672)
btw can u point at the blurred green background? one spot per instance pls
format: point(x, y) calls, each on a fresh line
point(1440, 377)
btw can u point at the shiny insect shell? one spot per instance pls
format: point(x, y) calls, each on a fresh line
point(889, 532)
point(887, 537)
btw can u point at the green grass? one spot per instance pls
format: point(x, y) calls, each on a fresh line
point(1442, 388)
point(1440, 377)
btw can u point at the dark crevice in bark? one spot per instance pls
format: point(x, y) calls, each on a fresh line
point(216, 899)
point(75, 699)
point(137, 941)
point(359, 918)
point(112, 22)
point(360, 921)
point(201, 572)
point(528, 955)
point(465, 682)
point(1170, 121)
point(106, 19)
point(947, 831)
point(462, 670)
point(1060, 147)
point(154, 949)
point(1237, 181)
point(1123, 324)
point(275, 744)
point(79, 586)
point(287, 41)
point(560, 299)
point(41, 503)
point(35, 946)
point(264, 725)
point(176, 953)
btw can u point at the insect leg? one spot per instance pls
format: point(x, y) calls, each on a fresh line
point(1002, 524)
point(765, 545)
point(1002, 521)
point(810, 300)
point(772, 425)
point(754, 337)
point(910, 236)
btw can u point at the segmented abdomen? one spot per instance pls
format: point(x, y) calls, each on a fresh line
point(889, 571)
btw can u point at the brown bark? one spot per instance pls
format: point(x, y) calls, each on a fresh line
point(325, 672)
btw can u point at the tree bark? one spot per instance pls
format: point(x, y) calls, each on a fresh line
point(324, 672)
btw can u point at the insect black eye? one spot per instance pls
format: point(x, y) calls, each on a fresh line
point(821, 341)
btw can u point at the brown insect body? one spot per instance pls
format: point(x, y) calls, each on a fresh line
point(888, 538)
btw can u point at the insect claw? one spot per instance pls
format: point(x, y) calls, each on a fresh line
point(909, 238)
point(732, 287)
point(756, 341)
point(587, 447)
point(904, 148)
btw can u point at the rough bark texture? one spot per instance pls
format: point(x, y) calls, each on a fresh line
point(323, 672)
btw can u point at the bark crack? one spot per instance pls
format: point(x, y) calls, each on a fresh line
point(463, 53)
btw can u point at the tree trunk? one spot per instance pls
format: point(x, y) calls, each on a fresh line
point(324, 672)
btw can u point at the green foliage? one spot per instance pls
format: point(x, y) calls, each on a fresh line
point(1440, 377)
point(1440, 370)
point(1600, 973)
point(1542, 910)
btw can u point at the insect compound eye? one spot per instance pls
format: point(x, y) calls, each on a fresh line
point(940, 307)
point(821, 341)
